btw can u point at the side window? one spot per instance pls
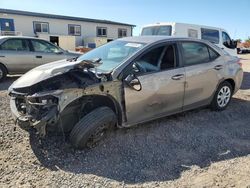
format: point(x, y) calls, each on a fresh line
point(149, 62)
point(160, 58)
point(42, 46)
point(168, 58)
point(15, 45)
point(226, 40)
point(192, 33)
point(195, 53)
point(213, 54)
point(225, 37)
point(210, 35)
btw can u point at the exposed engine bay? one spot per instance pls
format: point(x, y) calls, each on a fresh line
point(57, 103)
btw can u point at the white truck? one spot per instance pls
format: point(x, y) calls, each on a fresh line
point(218, 36)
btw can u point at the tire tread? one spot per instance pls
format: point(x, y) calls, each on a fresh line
point(88, 123)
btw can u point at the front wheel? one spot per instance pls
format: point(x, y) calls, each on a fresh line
point(92, 127)
point(222, 96)
point(3, 72)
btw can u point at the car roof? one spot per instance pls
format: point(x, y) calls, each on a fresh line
point(21, 37)
point(156, 38)
point(181, 24)
point(152, 39)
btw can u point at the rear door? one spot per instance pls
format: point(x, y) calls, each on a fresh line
point(45, 52)
point(161, 91)
point(203, 70)
point(16, 55)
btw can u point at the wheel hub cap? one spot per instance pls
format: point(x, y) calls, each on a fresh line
point(223, 96)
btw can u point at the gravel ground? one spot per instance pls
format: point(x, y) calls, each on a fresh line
point(199, 148)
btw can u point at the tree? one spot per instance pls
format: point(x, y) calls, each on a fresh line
point(248, 40)
point(238, 40)
point(247, 43)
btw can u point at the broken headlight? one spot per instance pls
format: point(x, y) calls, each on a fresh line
point(43, 100)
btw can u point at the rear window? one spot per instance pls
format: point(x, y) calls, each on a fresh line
point(157, 30)
point(210, 35)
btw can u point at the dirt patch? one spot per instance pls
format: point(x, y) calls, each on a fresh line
point(199, 148)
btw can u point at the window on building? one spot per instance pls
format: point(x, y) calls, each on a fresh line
point(41, 27)
point(210, 35)
point(15, 45)
point(122, 33)
point(101, 31)
point(75, 30)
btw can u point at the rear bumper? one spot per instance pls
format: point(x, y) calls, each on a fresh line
point(238, 80)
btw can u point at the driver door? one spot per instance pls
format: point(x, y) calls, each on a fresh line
point(161, 91)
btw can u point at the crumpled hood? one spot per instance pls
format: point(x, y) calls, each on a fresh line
point(44, 72)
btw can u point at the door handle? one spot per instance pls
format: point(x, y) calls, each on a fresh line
point(39, 56)
point(218, 67)
point(177, 77)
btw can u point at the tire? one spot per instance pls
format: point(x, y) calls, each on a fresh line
point(222, 97)
point(91, 128)
point(3, 72)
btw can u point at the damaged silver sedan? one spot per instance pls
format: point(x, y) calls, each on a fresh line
point(123, 83)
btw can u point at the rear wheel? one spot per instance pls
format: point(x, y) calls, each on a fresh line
point(3, 72)
point(92, 127)
point(222, 96)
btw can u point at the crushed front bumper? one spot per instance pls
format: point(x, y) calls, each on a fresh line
point(26, 120)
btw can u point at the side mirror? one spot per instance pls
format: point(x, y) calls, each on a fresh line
point(227, 44)
point(133, 82)
point(230, 44)
point(233, 44)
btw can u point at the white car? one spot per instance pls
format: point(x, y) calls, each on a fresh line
point(218, 36)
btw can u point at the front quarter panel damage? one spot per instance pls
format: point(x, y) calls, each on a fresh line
point(46, 110)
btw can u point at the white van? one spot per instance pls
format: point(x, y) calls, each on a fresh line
point(218, 36)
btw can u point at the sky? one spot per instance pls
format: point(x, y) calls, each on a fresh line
point(232, 15)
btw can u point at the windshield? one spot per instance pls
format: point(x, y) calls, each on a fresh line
point(112, 54)
point(157, 30)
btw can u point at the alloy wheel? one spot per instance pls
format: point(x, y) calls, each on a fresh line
point(223, 96)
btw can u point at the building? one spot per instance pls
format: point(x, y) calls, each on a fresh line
point(66, 31)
